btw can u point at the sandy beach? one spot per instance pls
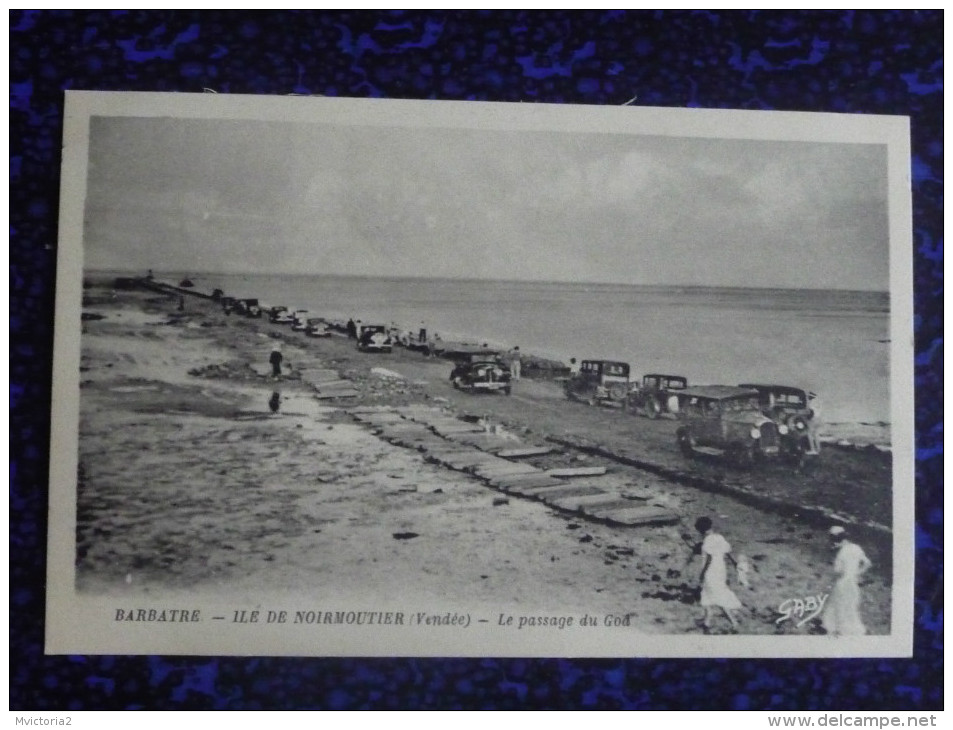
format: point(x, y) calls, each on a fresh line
point(189, 482)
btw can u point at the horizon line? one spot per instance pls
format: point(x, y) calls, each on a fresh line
point(196, 272)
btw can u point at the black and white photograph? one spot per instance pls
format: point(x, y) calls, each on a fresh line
point(342, 377)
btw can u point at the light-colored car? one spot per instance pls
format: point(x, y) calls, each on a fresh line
point(299, 320)
point(373, 338)
point(726, 421)
point(317, 327)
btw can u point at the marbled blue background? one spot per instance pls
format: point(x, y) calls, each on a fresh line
point(844, 61)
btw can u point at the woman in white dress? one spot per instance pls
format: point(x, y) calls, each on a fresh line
point(841, 615)
point(715, 592)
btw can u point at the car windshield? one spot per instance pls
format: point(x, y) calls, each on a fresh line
point(795, 400)
point(741, 404)
point(614, 369)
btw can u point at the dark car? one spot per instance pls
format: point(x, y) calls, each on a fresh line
point(482, 375)
point(279, 314)
point(248, 307)
point(790, 408)
point(600, 381)
point(657, 394)
point(373, 338)
point(726, 421)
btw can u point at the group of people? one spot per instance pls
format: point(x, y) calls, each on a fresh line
point(841, 613)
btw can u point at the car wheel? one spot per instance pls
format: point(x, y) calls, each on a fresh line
point(508, 390)
point(685, 444)
point(741, 456)
point(797, 454)
point(617, 391)
point(653, 408)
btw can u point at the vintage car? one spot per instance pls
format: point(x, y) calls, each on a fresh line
point(657, 394)
point(600, 381)
point(373, 338)
point(248, 307)
point(482, 373)
point(790, 408)
point(317, 327)
point(726, 421)
point(279, 314)
point(299, 320)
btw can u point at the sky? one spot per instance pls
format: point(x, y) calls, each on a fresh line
point(239, 196)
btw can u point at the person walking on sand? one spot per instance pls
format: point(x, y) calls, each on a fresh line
point(275, 359)
point(715, 592)
point(515, 362)
point(841, 616)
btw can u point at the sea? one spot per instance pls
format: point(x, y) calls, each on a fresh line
point(832, 342)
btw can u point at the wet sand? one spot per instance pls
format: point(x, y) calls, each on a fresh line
point(188, 482)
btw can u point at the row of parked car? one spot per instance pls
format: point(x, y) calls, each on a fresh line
point(744, 423)
point(370, 337)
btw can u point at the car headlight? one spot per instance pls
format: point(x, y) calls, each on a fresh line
point(755, 433)
point(800, 425)
point(782, 429)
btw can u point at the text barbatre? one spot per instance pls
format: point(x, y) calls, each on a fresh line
point(168, 615)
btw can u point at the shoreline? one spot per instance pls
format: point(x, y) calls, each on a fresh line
point(851, 435)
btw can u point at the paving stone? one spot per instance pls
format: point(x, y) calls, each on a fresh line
point(401, 429)
point(548, 494)
point(381, 418)
point(318, 376)
point(488, 471)
point(581, 471)
point(633, 516)
point(601, 501)
point(448, 430)
point(462, 462)
point(330, 384)
point(425, 442)
point(523, 481)
point(484, 441)
point(556, 491)
point(516, 453)
point(337, 394)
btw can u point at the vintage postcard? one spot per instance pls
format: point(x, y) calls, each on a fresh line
point(404, 378)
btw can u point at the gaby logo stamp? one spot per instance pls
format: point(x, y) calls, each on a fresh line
point(802, 610)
